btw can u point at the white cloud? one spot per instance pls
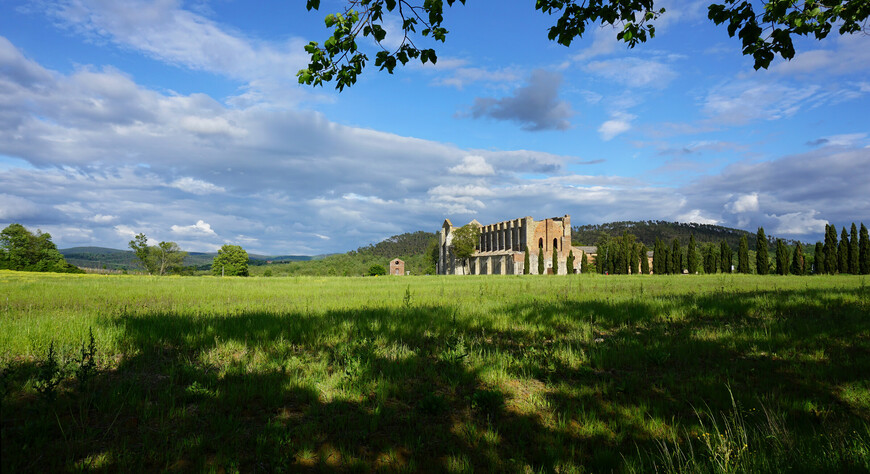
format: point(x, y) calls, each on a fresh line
point(620, 123)
point(633, 72)
point(696, 215)
point(15, 207)
point(744, 203)
point(196, 186)
point(200, 228)
point(474, 165)
point(125, 231)
point(102, 219)
point(800, 223)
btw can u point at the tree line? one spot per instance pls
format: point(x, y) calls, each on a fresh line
point(850, 254)
point(23, 250)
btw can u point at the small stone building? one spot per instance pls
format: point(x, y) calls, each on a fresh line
point(501, 247)
point(397, 267)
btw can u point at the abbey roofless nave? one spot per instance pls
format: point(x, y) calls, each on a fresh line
point(501, 249)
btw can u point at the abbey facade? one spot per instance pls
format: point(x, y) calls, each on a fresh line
point(501, 247)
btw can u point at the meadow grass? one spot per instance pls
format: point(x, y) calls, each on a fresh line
point(587, 373)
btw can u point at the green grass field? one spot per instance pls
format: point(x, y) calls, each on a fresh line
point(592, 373)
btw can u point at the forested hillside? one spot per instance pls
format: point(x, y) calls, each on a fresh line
point(647, 232)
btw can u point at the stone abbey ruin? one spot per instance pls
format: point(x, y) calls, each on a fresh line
point(501, 247)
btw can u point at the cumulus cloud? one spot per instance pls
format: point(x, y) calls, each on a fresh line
point(201, 228)
point(474, 165)
point(744, 203)
point(196, 186)
point(619, 123)
point(536, 105)
point(15, 207)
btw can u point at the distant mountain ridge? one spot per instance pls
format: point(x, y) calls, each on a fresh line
point(647, 232)
point(114, 259)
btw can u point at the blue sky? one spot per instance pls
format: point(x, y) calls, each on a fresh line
point(183, 120)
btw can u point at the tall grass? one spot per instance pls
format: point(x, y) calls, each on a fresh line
point(714, 373)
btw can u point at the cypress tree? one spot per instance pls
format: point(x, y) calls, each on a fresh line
point(555, 262)
point(854, 266)
point(832, 262)
point(743, 255)
point(819, 259)
point(657, 257)
point(864, 251)
point(797, 261)
point(667, 263)
point(584, 262)
point(677, 257)
point(725, 257)
point(843, 252)
point(526, 262)
point(761, 265)
point(710, 260)
point(691, 256)
point(781, 258)
point(540, 260)
point(644, 262)
point(570, 263)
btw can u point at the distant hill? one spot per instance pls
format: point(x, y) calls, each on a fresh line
point(114, 259)
point(647, 231)
point(411, 243)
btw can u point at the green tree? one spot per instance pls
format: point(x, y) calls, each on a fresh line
point(763, 34)
point(540, 260)
point(761, 258)
point(231, 260)
point(160, 259)
point(377, 270)
point(725, 257)
point(569, 264)
point(644, 261)
point(676, 257)
point(781, 258)
point(819, 259)
point(139, 244)
point(555, 262)
point(798, 265)
point(843, 252)
point(691, 256)
point(864, 251)
point(854, 266)
point(584, 263)
point(711, 258)
point(831, 259)
point(634, 267)
point(20, 249)
point(465, 241)
point(743, 255)
point(526, 262)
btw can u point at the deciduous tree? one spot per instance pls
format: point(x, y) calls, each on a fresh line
point(765, 29)
point(465, 241)
point(231, 260)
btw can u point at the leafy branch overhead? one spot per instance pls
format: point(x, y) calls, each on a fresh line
point(764, 34)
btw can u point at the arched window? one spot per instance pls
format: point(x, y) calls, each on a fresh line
point(541, 243)
point(556, 244)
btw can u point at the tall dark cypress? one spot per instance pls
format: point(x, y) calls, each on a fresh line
point(569, 264)
point(657, 257)
point(781, 258)
point(724, 257)
point(832, 262)
point(843, 251)
point(691, 256)
point(819, 259)
point(677, 257)
point(864, 251)
point(743, 255)
point(854, 266)
point(797, 261)
point(526, 262)
point(761, 257)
